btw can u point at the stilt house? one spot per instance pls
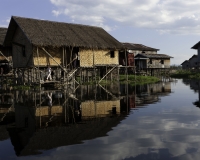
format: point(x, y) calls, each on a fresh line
point(192, 63)
point(132, 49)
point(38, 43)
point(185, 64)
point(144, 58)
point(144, 61)
point(197, 47)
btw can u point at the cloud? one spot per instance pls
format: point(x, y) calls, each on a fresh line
point(166, 16)
point(4, 23)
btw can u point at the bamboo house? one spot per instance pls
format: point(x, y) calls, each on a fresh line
point(38, 43)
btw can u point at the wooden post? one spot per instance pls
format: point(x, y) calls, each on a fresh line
point(38, 65)
point(64, 64)
point(94, 67)
point(106, 72)
point(126, 66)
point(118, 80)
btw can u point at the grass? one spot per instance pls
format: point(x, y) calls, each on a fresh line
point(186, 74)
point(21, 87)
point(132, 79)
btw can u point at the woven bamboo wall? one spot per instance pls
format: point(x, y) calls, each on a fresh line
point(156, 62)
point(44, 59)
point(2, 50)
point(91, 108)
point(101, 57)
point(2, 58)
point(167, 62)
point(44, 111)
point(7, 52)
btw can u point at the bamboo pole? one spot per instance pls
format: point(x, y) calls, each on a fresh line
point(38, 66)
point(126, 66)
point(107, 73)
point(71, 56)
point(4, 56)
point(93, 65)
point(54, 60)
point(63, 64)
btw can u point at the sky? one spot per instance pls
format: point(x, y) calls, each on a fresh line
point(172, 26)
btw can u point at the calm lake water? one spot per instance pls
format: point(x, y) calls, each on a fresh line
point(157, 121)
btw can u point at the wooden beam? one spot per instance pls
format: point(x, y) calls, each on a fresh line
point(4, 56)
point(107, 73)
point(54, 60)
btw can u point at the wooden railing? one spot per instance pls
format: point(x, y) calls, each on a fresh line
point(158, 66)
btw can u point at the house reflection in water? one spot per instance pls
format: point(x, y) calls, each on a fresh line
point(195, 86)
point(52, 118)
point(142, 95)
point(6, 113)
point(37, 122)
point(91, 109)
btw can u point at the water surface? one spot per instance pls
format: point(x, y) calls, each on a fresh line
point(155, 121)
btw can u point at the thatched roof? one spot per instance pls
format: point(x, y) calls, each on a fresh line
point(57, 34)
point(133, 46)
point(156, 56)
point(2, 35)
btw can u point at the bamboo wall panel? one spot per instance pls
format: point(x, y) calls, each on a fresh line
point(157, 63)
point(105, 107)
point(44, 59)
point(87, 108)
point(92, 108)
point(2, 58)
point(45, 110)
point(101, 57)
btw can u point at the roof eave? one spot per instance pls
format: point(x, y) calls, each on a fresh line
point(196, 46)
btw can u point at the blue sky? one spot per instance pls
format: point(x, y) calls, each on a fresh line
point(173, 26)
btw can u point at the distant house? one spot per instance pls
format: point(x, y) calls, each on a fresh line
point(193, 62)
point(132, 50)
point(185, 64)
point(139, 48)
point(197, 47)
point(146, 57)
point(145, 61)
point(38, 43)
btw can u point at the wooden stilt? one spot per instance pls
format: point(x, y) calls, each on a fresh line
point(38, 66)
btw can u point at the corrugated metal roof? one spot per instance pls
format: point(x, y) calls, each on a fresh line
point(133, 46)
point(159, 56)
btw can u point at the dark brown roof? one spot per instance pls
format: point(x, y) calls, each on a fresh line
point(186, 61)
point(49, 33)
point(196, 45)
point(159, 56)
point(2, 35)
point(133, 46)
point(194, 56)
